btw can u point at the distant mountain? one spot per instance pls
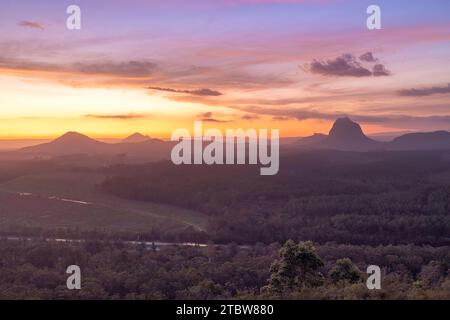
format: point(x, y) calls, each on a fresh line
point(135, 137)
point(348, 135)
point(69, 143)
point(346, 129)
point(14, 144)
point(387, 136)
point(72, 143)
point(345, 135)
point(311, 140)
point(422, 141)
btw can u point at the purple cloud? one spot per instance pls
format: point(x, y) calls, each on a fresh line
point(368, 57)
point(31, 24)
point(121, 69)
point(380, 70)
point(196, 92)
point(425, 91)
point(131, 116)
point(347, 65)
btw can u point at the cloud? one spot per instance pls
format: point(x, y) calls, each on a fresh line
point(209, 117)
point(403, 121)
point(346, 65)
point(197, 92)
point(131, 116)
point(54, 60)
point(250, 117)
point(122, 69)
point(208, 114)
point(290, 113)
point(215, 120)
point(368, 57)
point(31, 24)
point(214, 117)
point(281, 118)
point(424, 91)
point(135, 73)
point(380, 70)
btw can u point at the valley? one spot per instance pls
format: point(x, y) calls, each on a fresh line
point(75, 200)
point(137, 224)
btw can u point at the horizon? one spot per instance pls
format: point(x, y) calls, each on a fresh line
point(14, 144)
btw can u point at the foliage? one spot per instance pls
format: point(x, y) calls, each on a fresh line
point(374, 198)
point(114, 270)
point(345, 270)
point(297, 267)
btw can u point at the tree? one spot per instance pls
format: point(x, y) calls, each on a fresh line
point(432, 274)
point(297, 267)
point(345, 270)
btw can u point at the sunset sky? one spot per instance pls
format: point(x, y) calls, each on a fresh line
point(154, 66)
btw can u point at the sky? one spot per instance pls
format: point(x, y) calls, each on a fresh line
point(155, 66)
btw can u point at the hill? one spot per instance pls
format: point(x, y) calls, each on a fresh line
point(135, 137)
point(422, 141)
point(69, 143)
point(347, 135)
point(74, 143)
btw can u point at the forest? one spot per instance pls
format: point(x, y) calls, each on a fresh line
point(112, 270)
point(343, 197)
point(309, 232)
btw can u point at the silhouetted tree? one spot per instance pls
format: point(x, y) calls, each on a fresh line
point(297, 267)
point(345, 270)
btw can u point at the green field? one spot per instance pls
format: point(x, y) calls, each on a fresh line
point(103, 211)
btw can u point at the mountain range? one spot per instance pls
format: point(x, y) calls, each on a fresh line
point(136, 137)
point(136, 146)
point(345, 135)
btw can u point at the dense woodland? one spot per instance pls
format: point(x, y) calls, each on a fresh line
point(36, 270)
point(389, 209)
point(354, 198)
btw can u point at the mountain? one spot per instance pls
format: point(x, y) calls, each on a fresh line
point(346, 129)
point(135, 137)
point(74, 143)
point(311, 140)
point(14, 144)
point(69, 143)
point(422, 141)
point(387, 136)
point(347, 135)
